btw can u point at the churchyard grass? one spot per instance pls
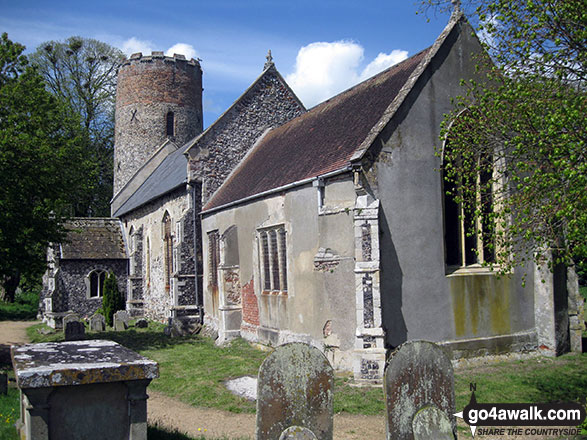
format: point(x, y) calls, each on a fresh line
point(9, 410)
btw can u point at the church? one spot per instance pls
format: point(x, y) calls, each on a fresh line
point(329, 225)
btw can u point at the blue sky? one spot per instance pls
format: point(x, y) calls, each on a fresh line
point(320, 47)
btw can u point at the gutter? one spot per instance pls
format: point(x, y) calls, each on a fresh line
point(279, 189)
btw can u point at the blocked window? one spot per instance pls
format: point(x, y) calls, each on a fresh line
point(96, 283)
point(213, 257)
point(273, 258)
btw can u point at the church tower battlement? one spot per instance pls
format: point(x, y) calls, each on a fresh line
point(157, 98)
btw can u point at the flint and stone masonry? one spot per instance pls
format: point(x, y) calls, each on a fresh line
point(82, 390)
point(149, 89)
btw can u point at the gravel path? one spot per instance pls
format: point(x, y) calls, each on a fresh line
point(12, 332)
point(214, 423)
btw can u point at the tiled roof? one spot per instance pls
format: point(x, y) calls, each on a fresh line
point(93, 239)
point(320, 141)
point(170, 174)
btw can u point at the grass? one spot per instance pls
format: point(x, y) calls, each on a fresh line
point(23, 308)
point(9, 414)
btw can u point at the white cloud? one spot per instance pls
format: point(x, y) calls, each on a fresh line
point(182, 49)
point(324, 69)
point(134, 45)
point(382, 62)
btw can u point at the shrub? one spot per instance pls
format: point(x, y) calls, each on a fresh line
point(112, 300)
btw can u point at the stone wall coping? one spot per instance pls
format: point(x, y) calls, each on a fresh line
point(54, 364)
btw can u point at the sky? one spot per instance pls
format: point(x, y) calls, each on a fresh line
point(321, 47)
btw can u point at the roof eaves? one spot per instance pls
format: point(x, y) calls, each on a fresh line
point(288, 186)
point(456, 16)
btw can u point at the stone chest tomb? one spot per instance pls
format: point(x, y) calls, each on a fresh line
point(82, 390)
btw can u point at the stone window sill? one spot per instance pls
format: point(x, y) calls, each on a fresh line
point(473, 269)
point(274, 293)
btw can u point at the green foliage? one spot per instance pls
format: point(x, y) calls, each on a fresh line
point(113, 300)
point(82, 73)
point(523, 122)
point(41, 165)
point(24, 307)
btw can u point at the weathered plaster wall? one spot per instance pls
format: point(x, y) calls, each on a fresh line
point(419, 300)
point(72, 278)
point(157, 300)
point(319, 306)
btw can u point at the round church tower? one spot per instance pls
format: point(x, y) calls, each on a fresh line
point(157, 98)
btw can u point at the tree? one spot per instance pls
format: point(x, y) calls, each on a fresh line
point(112, 300)
point(523, 127)
point(41, 163)
point(82, 72)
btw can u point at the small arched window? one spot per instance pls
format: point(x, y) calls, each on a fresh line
point(170, 124)
point(96, 284)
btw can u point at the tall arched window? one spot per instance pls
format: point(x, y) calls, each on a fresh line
point(170, 124)
point(468, 228)
point(167, 249)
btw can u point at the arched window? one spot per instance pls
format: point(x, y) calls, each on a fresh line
point(468, 227)
point(170, 124)
point(167, 249)
point(96, 283)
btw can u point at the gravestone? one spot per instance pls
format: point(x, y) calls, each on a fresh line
point(294, 390)
point(69, 318)
point(419, 393)
point(121, 319)
point(74, 330)
point(141, 323)
point(97, 323)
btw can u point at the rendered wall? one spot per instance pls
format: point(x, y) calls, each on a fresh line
point(319, 306)
point(420, 300)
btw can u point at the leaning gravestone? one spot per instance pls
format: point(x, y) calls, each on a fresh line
point(121, 319)
point(419, 393)
point(142, 323)
point(74, 330)
point(294, 390)
point(97, 323)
